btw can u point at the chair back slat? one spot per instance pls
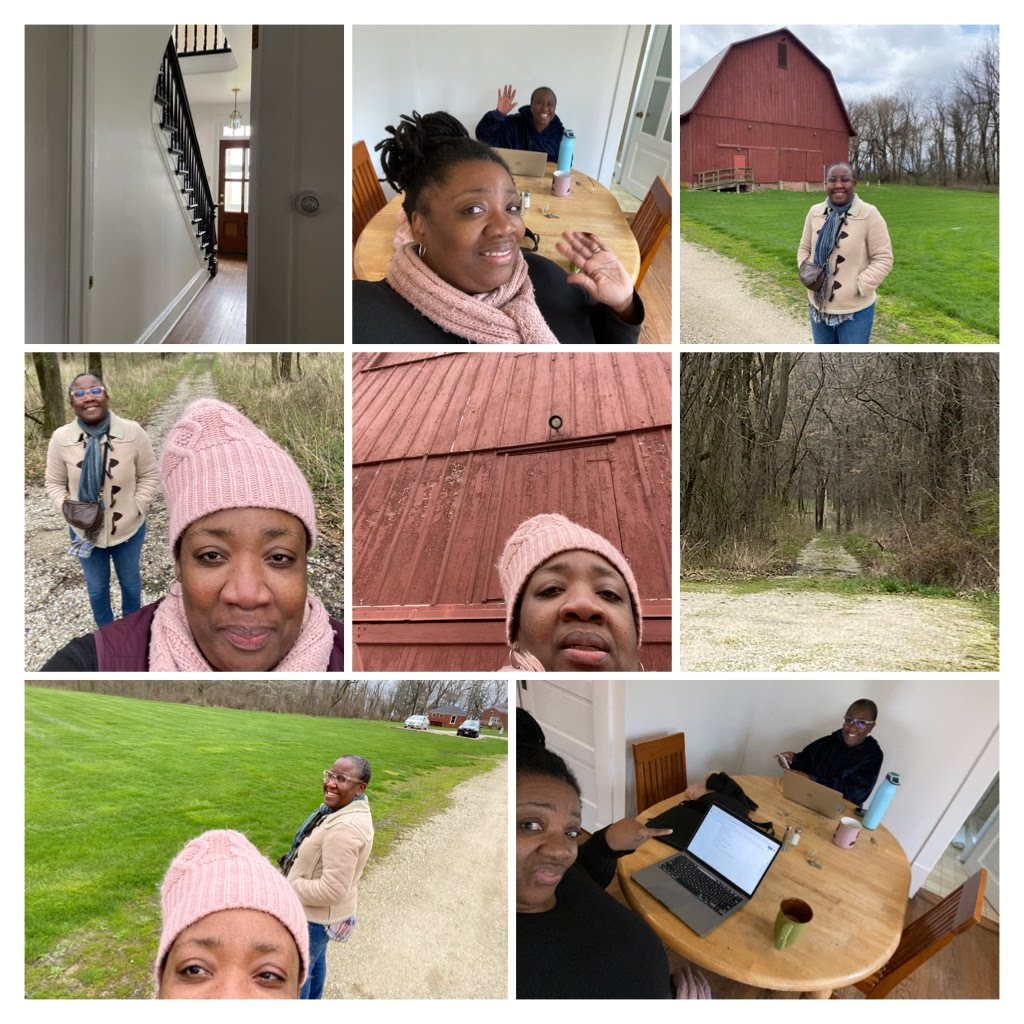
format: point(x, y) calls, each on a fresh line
point(660, 767)
point(367, 195)
point(651, 223)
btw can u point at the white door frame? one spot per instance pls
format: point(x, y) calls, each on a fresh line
point(655, 42)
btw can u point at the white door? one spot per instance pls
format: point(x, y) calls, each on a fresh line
point(986, 855)
point(583, 723)
point(648, 149)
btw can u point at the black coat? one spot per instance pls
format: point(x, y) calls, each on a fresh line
point(380, 316)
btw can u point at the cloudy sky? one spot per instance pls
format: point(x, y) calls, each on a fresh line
point(864, 59)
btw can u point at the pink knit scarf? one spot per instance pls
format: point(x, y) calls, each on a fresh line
point(506, 316)
point(172, 648)
point(522, 661)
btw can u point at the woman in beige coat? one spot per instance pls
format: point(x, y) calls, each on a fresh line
point(849, 239)
point(99, 457)
point(326, 860)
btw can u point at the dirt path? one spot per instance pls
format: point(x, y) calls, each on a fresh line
point(718, 304)
point(56, 606)
point(781, 630)
point(821, 557)
point(433, 918)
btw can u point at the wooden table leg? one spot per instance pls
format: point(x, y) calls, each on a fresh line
point(825, 993)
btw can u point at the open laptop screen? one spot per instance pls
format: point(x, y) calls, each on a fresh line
point(737, 851)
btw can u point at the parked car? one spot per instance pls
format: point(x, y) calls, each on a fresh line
point(417, 722)
point(470, 727)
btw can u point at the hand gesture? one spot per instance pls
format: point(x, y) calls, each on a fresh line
point(506, 100)
point(629, 833)
point(601, 274)
point(785, 759)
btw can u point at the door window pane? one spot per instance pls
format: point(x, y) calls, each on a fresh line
point(232, 196)
point(652, 117)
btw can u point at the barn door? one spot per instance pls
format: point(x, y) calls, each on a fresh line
point(648, 149)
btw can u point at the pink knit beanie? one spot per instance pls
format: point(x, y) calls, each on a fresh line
point(535, 541)
point(222, 870)
point(214, 458)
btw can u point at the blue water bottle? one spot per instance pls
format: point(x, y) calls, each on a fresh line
point(882, 798)
point(565, 151)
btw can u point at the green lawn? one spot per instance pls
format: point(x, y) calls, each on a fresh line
point(944, 286)
point(115, 787)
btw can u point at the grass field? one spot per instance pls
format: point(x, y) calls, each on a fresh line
point(115, 787)
point(944, 286)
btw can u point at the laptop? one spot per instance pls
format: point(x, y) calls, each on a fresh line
point(717, 873)
point(524, 161)
point(805, 791)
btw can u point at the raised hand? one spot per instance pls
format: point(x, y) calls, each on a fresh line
point(629, 833)
point(601, 275)
point(506, 100)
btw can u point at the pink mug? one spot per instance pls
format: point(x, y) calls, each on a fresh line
point(561, 181)
point(846, 832)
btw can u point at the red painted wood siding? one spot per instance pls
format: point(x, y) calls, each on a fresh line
point(452, 452)
point(787, 123)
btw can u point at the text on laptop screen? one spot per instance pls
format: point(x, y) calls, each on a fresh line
point(736, 851)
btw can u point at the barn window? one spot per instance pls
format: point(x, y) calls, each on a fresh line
point(783, 55)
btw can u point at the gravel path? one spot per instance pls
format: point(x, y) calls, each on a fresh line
point(433, 915)
point(781, 630)
point(717, 304)
point(56, 606)
point(821, 558)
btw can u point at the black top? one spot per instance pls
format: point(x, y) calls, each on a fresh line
point(589, 946)
point(380, 316)
point(851, 770)
point(517, 131)
point(77, 656)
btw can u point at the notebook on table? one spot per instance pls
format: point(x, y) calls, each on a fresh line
point(525, 162)
point(802, 790)
point(716, 875)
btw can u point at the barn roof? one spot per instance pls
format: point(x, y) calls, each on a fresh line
point(692, 88)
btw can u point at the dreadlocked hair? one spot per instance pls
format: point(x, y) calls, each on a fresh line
point(421, 151)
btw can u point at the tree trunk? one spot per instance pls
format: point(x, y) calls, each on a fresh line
point(48, 373)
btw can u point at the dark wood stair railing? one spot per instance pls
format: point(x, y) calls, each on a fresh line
point(210, 34)
point(182, 144)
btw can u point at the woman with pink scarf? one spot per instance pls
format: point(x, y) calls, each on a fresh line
point(459, 273)
point(242, 523)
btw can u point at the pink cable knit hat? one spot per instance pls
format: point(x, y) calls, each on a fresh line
point(535, 541)
point(222, 870)
point(214, 458)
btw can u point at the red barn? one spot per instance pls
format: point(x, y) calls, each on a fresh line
point(765, 109)
point(452, 451)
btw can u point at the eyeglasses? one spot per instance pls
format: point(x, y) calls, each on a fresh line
point(342, 779)
point(82, 392)
point(839, 181)
point(858, 722)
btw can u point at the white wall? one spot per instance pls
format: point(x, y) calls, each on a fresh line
point(933, 732)
point(461, 68)
point(142, 254)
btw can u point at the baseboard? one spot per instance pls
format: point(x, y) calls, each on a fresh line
point(161, 327)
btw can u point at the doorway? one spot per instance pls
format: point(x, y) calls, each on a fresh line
point(647, 150)
point(233, 204)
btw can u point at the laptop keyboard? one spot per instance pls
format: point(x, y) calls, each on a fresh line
point(711, 892)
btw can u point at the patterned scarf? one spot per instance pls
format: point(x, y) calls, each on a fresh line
point(304, 831)
point(506, 316)
point(172, 648)
point(835, 218)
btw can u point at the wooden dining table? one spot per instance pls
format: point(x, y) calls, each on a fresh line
point(858, 896)
point(589, 206)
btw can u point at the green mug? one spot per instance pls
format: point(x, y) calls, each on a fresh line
point(794, 917)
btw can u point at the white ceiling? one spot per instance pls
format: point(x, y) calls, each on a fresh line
point(216, 87)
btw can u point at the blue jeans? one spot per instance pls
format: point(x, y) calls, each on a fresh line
point(96, 568)
point(313, 987)
point(851, 332)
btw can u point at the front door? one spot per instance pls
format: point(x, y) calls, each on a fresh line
point(648, 150)
point(233, 215)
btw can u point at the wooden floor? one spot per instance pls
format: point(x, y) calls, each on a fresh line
point(968, 968)
point(217, 316)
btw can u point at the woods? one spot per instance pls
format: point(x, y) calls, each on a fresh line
point(895, 454)
point(950, 137)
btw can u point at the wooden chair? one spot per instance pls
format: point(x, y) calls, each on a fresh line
point(660, 769)
point(651, 223)
point(923, 938)
point(367, 195)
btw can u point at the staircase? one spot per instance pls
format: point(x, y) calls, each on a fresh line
point(183, 149)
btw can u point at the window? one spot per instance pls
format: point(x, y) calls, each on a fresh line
point(236, 133)
point(783, 56)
